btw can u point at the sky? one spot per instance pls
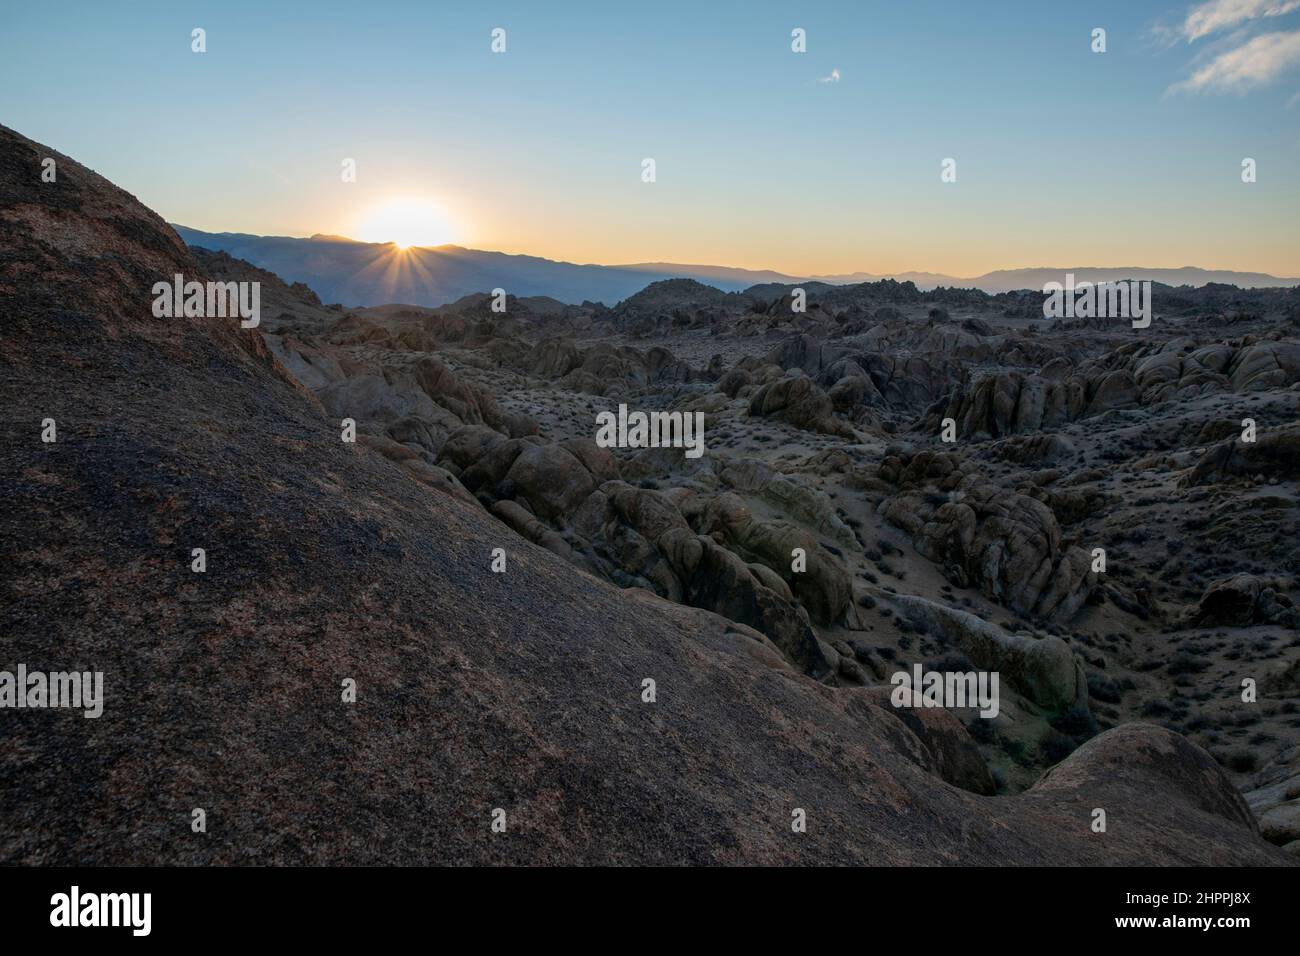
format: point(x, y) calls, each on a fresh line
point(822, 162)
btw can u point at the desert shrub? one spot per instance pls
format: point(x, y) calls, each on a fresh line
point(1056, 746)
point(1240, 761)
point(1103, 688)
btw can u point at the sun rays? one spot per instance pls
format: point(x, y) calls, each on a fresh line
point(406, 222)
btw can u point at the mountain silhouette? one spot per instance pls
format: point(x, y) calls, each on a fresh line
point(362, 273)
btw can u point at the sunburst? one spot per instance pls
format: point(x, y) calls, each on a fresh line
point(406, 222)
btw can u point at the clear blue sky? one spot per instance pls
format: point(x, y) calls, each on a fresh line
point(1064, 157)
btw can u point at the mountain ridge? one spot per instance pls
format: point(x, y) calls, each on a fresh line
point(356, 273)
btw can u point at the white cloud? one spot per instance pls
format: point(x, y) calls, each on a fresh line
point(1219, 14)
point(1255, 63)
point(835, 73)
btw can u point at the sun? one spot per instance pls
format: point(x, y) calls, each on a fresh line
point(406, 222)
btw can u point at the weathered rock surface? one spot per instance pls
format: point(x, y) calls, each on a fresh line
point(1243, 600)
point(796, 400)
point(1273, 455)
point(1013, 403)
point(1008, 545)
point(1042, 668)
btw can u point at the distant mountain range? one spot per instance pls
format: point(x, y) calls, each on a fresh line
point(1010, 280)
point(363, 273)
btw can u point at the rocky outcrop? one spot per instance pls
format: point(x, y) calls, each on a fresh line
point(794, 497)
point(868, 369)
point(638, 537)
point(1126, 759)
point(821, 584)
point(1275, 801)
point(1042, 668)
point(1014, 403)
point(1273, 455)
point(715, 579)
point(796, 400)
point(947, 748)
point(314, 367)
point(1244, 600)
point(600, 369)
point(552, 479)
point(1006, 544)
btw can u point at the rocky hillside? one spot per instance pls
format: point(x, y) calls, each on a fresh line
point(329, 561)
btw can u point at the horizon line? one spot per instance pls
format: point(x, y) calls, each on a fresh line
point(338, 237)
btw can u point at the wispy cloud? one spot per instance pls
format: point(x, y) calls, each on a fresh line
point(834, 76)
point(1255, 63)
point(1218, 14)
